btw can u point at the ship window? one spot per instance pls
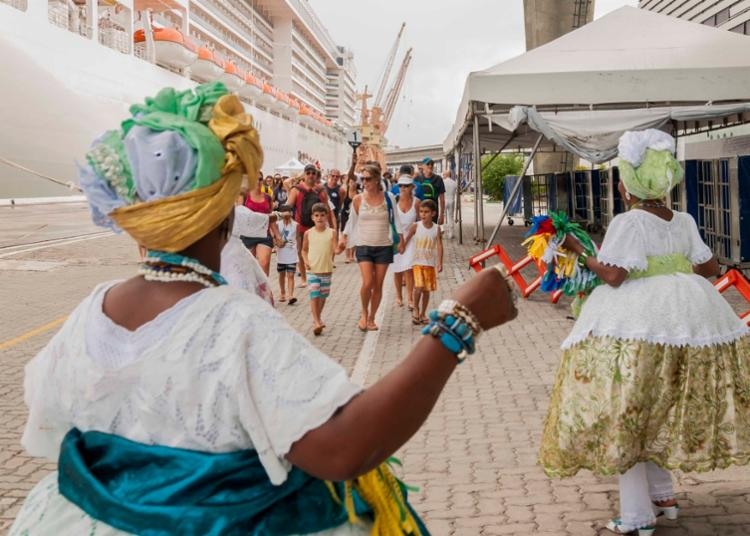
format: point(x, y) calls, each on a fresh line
point(722, 16)
point(18, 4)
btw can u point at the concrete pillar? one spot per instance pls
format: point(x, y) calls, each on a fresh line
point(545, 21)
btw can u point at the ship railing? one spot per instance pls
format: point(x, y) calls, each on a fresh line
point(313, 22)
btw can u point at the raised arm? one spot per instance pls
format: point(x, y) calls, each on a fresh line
point(614, 276)
point(350, 174)
point(374, 424)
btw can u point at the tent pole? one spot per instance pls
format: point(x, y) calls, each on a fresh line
point(509, 202)
point(458, 218)
point(478, 178)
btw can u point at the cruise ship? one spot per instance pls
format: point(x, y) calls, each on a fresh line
point(71, 68)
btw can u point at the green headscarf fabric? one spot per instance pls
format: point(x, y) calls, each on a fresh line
point(186, 112)
point(658, 173)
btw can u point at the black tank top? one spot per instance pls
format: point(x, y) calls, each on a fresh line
point(334, 196)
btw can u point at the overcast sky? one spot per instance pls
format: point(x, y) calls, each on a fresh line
point(449, 42)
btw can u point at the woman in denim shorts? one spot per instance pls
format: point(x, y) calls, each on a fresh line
point(370, 224)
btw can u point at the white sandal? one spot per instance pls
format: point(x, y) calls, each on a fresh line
point(669, 512)
point(615, 525)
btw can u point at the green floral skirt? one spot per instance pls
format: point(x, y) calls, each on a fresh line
point(616, 403)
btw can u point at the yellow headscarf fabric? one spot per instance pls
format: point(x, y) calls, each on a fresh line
point(173, 223)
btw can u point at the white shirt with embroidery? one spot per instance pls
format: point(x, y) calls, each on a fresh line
point(220, 371)
point(677, 309)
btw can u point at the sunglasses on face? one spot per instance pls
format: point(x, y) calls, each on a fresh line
point(310, 173)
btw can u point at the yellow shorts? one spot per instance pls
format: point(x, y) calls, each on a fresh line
point(425, 277)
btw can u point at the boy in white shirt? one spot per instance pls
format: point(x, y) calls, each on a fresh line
point(286, 256)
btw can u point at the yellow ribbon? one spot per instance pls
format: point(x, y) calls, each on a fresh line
point(174, 223)
point(381, 491)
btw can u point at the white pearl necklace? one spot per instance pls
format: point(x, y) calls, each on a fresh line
point(168, 277)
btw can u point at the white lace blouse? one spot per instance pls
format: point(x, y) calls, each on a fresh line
point(677, 309)
point(218, 372)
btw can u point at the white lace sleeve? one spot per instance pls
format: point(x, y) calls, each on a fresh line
point(623, 244)
point(47, 422)
point(249, 223)
point(699, 251)
point(290, 388)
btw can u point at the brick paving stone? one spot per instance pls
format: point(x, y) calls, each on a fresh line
point(474, 459)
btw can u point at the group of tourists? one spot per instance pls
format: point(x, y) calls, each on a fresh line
point(180, 401)
point(375, 221)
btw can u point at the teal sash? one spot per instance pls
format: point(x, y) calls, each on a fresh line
point(158, 491)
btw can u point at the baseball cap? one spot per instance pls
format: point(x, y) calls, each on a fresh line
point(310, 167)
point(405, 180)
point(427, 161)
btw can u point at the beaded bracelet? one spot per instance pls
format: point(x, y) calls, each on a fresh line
point(453, 332)
point(452, 307)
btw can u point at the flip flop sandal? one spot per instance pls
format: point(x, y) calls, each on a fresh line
point(292, 301)
point(318, 330)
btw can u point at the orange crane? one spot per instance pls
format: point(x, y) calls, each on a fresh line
point(374, 121)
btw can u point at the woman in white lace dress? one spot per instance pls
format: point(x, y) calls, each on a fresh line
point(177, 404)
point(407, 208)
point(655, 374)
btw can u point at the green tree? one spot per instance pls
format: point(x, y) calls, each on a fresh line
point(493, 175)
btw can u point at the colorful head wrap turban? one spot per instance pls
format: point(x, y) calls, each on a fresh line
point(648, 168)
point(173, 170)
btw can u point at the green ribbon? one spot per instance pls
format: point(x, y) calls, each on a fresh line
point(675, 263)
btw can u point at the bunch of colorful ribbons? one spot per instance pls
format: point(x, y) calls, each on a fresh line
point(544, 243)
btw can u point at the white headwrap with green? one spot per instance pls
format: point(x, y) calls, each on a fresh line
point(648, 167)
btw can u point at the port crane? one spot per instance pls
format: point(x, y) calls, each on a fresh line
point(374, 121)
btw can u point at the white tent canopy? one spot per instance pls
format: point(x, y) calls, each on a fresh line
point(290, 167)
point(630, 69)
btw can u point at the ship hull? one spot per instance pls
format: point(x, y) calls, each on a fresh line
point(60, 90)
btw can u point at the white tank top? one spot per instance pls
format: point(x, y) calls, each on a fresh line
point(373, 228)
point(425, 241)
point(408, 217)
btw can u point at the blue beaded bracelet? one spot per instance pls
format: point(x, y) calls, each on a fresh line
point(452, 332)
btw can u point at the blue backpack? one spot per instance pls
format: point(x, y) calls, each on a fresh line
point(392, 222)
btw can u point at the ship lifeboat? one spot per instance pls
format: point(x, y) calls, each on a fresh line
point(232, 77)
point(253, 87)
point(306, 115)
point(286, 100)
point(268, 97)
point(208, 67)
point(171, 48)
point(294, 106)
point(282, 101)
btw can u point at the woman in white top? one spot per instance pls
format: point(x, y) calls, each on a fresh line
point(376, 230)
point(655, 375)
point(407, 210)
point(177, 404)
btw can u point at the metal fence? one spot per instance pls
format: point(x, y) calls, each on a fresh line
point(717, 194)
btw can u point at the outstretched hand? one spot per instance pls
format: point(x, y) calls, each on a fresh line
point(489, 297)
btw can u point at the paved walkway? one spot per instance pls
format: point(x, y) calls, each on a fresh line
point(475, 457)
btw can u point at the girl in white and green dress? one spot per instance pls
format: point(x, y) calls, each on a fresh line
point(655, 374)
